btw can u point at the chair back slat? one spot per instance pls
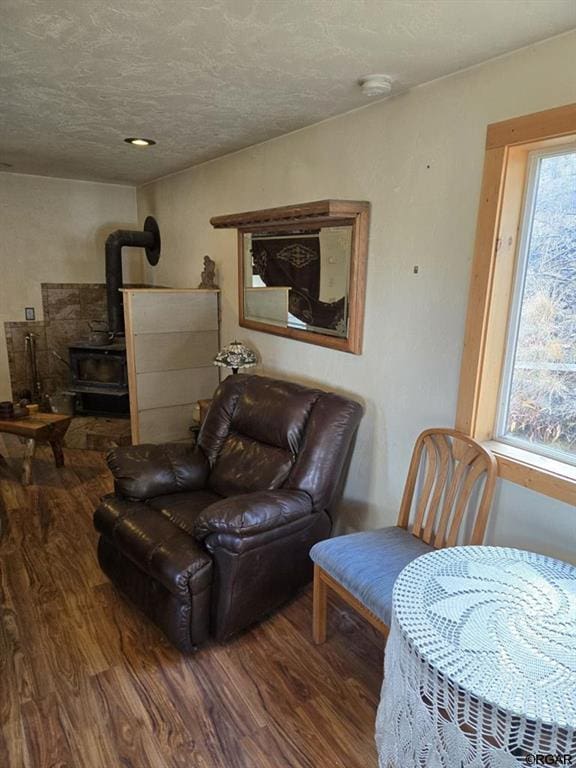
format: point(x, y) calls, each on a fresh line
point(453, 496)
point(410, 485)
point(474, 474)
point(429, 480)
point(459, 476)
point(444, 449)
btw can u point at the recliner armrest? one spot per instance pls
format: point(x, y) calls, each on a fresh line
point(145, 471)
point(253, 513)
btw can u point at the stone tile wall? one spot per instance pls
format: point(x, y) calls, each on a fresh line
point(69, 310)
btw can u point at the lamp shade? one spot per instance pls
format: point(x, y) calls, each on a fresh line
point(236, 355)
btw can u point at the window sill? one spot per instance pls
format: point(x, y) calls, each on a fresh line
point(539, 473)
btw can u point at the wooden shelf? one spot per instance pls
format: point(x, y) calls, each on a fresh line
point(318, 211)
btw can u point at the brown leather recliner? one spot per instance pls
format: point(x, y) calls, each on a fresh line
point(208, 540)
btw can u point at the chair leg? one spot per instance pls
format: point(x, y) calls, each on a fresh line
point(319, 607)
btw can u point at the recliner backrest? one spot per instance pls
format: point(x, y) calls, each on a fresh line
point(262, 434)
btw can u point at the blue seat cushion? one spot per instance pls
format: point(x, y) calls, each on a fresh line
point(368, 563)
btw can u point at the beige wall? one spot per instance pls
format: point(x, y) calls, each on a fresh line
point(53, 231)
point(418, 159)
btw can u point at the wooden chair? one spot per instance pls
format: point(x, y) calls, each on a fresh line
point(456, 477)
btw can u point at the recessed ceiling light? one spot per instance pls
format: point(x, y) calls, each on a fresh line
point(376, 85)
point(138, 142)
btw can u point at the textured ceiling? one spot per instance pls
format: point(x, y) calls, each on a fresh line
point(207, 77)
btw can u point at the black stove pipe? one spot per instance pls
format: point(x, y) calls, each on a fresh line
point(149, 239)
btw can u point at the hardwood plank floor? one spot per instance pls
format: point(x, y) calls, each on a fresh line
point(87, 682)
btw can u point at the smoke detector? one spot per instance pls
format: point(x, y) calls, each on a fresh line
point(376, 85)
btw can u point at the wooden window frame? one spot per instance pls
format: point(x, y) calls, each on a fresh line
point(508, 145)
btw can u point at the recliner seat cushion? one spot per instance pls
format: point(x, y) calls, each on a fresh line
point(183, 509)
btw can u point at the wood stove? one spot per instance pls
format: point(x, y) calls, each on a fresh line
point(98, 372)
point(99, 378)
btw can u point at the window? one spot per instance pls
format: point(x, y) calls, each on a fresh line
point(537, 408)
point(518, 375)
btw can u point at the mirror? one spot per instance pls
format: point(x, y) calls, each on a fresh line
point(301, 271)
point(299, 279)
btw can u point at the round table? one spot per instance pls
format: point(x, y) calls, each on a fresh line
point(480, 664)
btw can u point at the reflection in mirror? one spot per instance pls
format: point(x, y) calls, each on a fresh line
point(299, 279)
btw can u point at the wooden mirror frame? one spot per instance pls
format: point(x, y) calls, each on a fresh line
point(322, 213)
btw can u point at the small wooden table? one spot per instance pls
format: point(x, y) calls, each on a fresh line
point(38, 428)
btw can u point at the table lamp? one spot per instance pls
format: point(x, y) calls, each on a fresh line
point(236, 355)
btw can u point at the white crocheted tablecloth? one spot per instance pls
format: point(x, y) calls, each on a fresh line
point(480, 664)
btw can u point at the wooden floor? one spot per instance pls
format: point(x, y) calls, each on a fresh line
point(86, 681)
